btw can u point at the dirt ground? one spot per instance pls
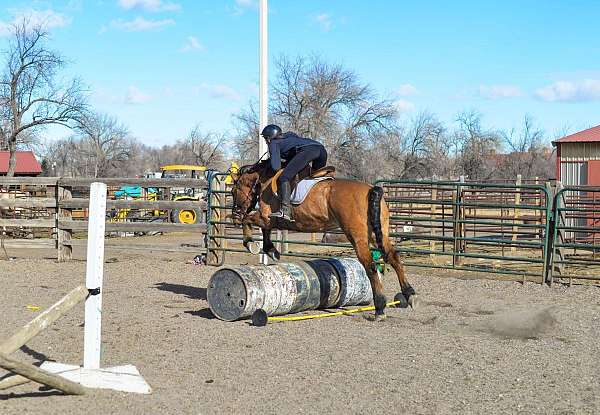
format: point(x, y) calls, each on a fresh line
point(473, 346)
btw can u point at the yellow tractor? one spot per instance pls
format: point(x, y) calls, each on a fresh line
point(177, 171)
point(188, 216)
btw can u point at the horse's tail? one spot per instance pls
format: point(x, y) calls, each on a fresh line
point(374, 214)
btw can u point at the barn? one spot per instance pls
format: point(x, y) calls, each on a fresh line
point(27, 164)
point(578, 158)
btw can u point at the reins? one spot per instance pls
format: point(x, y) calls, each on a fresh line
point(257, 188)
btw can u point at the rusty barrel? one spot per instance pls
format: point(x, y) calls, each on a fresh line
point(236, 292)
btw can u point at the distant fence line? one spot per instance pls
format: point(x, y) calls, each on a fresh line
point(525, 230)
point(48, 204)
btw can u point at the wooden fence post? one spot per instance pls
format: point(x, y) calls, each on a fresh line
point(215, 230)
point(65, 251)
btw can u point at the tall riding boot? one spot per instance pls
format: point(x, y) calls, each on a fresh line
point(285, 210)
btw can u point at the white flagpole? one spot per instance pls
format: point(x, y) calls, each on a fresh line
point(264, 76)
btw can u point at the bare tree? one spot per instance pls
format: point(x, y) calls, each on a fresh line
point(424, 148)
point(246, 139)
point(205, 149)
point(30, 95)
point(106, 143)
point(475, 147)
point(327, 102)
point(528, 152)
point(62, 157)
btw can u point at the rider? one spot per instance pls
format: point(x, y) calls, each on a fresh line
point(298, 152)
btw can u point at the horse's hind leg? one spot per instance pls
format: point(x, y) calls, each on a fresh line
point(364, 256)
point(392, 258)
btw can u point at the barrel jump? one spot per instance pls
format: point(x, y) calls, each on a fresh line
point(357, 208)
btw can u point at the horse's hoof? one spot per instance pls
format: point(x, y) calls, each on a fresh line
point(252, 247)
point(272, 253)
point(402, 302)
point(413, 301)
point(379, 317)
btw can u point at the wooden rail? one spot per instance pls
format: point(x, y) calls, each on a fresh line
point(80, 203)
point(54, 203)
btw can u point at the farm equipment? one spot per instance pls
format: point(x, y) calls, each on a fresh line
point(185, 215)
point(189, 216)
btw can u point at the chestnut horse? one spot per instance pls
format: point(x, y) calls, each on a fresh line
point(356, 207)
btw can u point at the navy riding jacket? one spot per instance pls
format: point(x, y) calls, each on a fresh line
point(287, 147)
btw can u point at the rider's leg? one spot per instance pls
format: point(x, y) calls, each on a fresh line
point(321, 160)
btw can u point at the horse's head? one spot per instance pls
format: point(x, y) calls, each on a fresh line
point(245, 191)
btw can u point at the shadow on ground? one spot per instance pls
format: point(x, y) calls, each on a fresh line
point(195, 293)
point(204, 313)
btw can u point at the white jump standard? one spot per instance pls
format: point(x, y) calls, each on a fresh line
point(122, 378)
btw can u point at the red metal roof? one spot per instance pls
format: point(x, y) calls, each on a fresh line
point(26, 163)
point(585, 136)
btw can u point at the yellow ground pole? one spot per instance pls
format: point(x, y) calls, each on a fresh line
point(323, 315)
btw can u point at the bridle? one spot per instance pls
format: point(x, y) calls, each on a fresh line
point(253, 195)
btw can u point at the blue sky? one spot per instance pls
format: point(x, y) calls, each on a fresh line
point(162, 66)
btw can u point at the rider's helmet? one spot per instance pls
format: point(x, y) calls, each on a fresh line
point(271, 131)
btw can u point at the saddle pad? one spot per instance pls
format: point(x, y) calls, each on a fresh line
point(302, 189)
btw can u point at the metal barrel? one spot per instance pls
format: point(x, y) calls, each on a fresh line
point(308, 286)
point(329, 280)
point(236, 292)
point(233, 293)
point(354, 282)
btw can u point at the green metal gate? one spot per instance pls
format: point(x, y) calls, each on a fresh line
point(481, 227)
point(576, 247)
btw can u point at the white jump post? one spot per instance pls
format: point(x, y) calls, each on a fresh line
point(122, 378)
point(93, 277)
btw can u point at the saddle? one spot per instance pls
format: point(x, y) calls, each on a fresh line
point(306, 173)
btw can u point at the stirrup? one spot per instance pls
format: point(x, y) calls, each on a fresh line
point(280, 215)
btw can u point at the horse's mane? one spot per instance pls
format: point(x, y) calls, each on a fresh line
point(257, 167)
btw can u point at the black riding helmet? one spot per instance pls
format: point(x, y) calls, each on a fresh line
point(271, 131)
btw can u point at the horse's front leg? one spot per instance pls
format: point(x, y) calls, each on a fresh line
point(268, 246)
point(247, 239)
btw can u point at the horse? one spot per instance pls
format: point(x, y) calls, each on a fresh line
point(357, 208)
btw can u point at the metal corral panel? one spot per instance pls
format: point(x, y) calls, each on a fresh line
point(579, 151)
